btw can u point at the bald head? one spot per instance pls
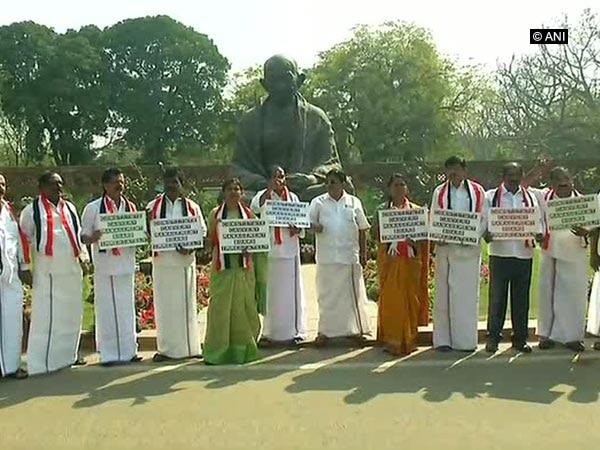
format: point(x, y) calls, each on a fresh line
point(279, 63)
point(281, 79)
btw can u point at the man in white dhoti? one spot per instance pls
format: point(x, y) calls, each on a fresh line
point(14, 268)
point(341, 228)
point(563, 280)
point(511, 264)
point(457, 267)
point(174, 278)
point(285, 319)
point(53, 229)
point(114, 272)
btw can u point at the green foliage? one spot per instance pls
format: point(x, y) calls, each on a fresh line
point(54, 89)
point(389, 93)
point(167, 82)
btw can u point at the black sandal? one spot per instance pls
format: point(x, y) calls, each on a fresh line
point(159, 357)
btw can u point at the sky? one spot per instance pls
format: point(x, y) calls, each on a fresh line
point(247, 32)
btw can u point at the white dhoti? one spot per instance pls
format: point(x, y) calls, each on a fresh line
point(593, 315)
point(115, 317)
point(455, 313)
point(56, 314)
point(286, 306)
point(11, 325)
point(342, 299)
point(175, 305)
point(562, 297)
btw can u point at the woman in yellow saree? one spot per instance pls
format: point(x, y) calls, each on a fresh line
point(402, 268)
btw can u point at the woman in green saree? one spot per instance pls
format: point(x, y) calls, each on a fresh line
point(233, 325)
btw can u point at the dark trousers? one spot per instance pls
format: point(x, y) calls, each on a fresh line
point(505, 273)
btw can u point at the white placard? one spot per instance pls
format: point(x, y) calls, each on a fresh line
point(237, 235)
point(122, 230)
point(566, 213)
point(169, 234)
point(283, 214)
point(397, 224)
point(454, 227)
point(517, 223)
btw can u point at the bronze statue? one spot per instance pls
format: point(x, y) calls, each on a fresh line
point(287, 131)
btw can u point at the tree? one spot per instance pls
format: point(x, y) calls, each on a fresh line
point(550, 101)
point(53, 90)
point(389, 93)
point(168, 81)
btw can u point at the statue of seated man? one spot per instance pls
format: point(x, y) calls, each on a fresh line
point(286, 131)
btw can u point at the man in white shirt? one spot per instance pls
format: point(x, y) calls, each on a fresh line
point(53, 229)
point(563, 281)
point(285, 319)
point(457, 267)
point(510, 264)
point(114, 272)
point(14, 268)
point(174, 278)
point(341, 228)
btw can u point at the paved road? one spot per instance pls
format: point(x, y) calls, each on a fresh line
point(337, 398)
point(313, 399)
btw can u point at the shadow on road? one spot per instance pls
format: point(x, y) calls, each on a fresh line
point(438, 377)
point(154, 383)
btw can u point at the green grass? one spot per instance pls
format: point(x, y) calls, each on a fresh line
point(533, 302)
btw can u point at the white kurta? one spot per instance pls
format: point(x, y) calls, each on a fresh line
point(286, 306)
point(457, 267)
point(57, 306)
point(174, 286)
point(11, 294)
point(341, 291)
point(114, 292)
point(562, 292)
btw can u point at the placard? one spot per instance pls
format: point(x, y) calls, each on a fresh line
point(516, 223)
point(122, 230)
point(185, 232)
point(397, 224)
point(237, 235)
point(283, 214)
point(454, 227)
point(566, 213)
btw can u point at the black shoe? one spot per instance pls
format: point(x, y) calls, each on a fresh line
point(523, 348)
point(546, 344)
point(575, 346)
point(596, 345)
point(444, 348)
point(491, 347)
point(136, 359)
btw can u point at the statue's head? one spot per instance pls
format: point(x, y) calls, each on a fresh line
point(281, 79)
